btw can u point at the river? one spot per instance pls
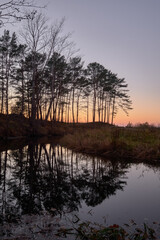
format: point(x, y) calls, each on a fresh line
point(44, 186)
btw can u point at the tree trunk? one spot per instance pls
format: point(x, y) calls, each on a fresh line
point(87, 109)
point(7, 83)
point(78, 107)
point(2, 96)
point(108, 109)
point(22, 104)
point(102, 103)
point(99, 110)
point(73, 106)
point(49, 109)
point(105, 109)
point(68, 110)
point(94, 104)
point(113, 109)
point(33, 101)
point(40, 110)
point(62, 111)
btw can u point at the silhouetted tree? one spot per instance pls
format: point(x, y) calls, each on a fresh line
point(43, 83)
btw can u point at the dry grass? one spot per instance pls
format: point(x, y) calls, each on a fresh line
point(15, 126)
point(141, 142)
point(134, 143)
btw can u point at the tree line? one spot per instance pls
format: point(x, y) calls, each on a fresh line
point(42, 78)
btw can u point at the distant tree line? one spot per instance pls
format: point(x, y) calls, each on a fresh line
point(41, 78)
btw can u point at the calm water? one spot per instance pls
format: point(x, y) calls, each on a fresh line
point(42, 182)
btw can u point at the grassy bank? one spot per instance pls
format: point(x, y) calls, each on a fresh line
point(137, 143)
point(16, 126)
point(140, 143)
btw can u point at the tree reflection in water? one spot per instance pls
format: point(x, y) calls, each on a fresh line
point(52, 178)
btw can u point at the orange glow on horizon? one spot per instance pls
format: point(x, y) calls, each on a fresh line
point(135, 117)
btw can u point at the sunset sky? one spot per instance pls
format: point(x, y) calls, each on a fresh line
point(124, 36)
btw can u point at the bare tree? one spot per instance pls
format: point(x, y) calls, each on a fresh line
point(34, 34)
point(13, 10)
point(42, 39)
point(58, 44)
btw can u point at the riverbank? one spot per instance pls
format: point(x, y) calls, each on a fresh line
point(135, 143)
point(17, 126)
point(140, 143)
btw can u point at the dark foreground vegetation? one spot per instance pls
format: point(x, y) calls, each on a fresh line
point(15, 126)
point(93, 231)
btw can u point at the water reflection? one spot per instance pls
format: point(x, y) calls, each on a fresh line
point(51, 178)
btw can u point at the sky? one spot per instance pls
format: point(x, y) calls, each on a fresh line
point(123, 36)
